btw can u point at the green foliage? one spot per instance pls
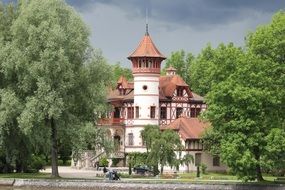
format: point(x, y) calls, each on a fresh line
point(186, 160)
point(51, 81)
point(274, 158)
point(164, 148)
point(182, 62)
point(118, 71)
point(203, 168)
point(137, 158)
point(90, 137)
point(115, 161)
point(36, 163)
point(246, 108)
point(213, 66)
point(103, 162)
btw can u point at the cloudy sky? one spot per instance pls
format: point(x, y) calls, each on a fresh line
point(117, 26)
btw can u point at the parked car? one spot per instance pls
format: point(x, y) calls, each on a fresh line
point(142, 169)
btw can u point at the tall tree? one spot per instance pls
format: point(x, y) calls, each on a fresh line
point(61, 81)
point(118, 71)
point(247, 108)
point(182, 62)
point(14, 143)
point(212, 66)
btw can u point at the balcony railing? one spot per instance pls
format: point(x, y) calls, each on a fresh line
point(146, 70)
point(111, 121)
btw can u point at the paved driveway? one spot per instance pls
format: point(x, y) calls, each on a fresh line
point(68, 172)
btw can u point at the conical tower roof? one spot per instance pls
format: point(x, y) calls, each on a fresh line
point(146, 48)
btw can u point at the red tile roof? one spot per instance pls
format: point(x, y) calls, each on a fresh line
point(146, 48)
point(167, 84)
point(188, 128)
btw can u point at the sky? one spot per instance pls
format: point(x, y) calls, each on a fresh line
point(117, 26)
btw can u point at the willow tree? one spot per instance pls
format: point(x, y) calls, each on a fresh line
point(163, 147)
point(59, 78)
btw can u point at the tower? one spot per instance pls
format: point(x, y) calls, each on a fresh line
point(146, 62)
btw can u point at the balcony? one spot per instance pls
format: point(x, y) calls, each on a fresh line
point(111, 121)
point(146, 70)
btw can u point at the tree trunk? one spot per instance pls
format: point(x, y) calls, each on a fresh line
point(54, 163)
point(161, 169)
point(258, 173)
point(258, 168)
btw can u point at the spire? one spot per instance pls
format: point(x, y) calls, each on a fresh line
point(146, 22)
point(146, 30)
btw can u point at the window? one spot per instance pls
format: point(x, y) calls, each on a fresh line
point(152, 111)
point(179, 91)
point(179, 111)
point(130, 112)
point(131, 139)
point(195, 112)
point(216, 161)
point(137, 111)
point(117, 112)
point(163, 113)
point(198, 157)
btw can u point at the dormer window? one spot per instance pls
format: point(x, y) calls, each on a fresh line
point(180, 91)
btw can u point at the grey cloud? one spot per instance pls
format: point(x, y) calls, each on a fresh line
point(194, 13)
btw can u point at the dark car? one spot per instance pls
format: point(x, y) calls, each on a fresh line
point(142, 169)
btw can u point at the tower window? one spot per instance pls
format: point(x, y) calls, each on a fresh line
point(163, 113)
point(131, 139)
point(145, 87)
point(137, 111)
point(179, 111)
point(152, 111)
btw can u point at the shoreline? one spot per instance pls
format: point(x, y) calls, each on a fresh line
point(125, 185)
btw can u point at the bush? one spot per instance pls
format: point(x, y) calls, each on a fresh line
point(60, 162)
point(115, 161)
point(203, 168)
point(37, 163)
point(67, 163)
point(103, 162)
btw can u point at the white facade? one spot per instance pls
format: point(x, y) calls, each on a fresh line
point(146, 97)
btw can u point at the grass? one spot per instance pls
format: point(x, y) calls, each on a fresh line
point(26, 175)
point(209, 177)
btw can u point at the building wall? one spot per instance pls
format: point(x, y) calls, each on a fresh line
point(137, 140)
point(144, 98)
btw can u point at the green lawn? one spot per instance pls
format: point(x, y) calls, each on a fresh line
point(26, 175)
point(170, 178)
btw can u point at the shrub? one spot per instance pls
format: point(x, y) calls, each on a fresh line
point(37, 163)
point(115, 161)
point(103, 162)
point(60, 162)
point(203, 168)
